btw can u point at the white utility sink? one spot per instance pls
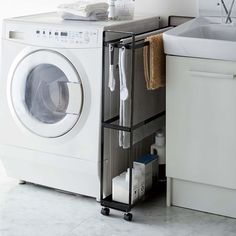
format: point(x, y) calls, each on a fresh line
point(204, 38)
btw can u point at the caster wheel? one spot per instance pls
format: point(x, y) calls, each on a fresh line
point(22, 182)
point(128, 216)
point(105, 211)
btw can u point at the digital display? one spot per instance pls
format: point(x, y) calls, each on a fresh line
point(16, 35)
point(64, 34)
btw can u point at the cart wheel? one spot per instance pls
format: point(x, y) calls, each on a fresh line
point(105, 211)
point(128, 216)
point(22, 182)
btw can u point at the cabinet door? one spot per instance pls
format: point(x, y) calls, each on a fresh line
point(201, 121)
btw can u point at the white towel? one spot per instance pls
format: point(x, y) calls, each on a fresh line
point(93, 17)
point(83, 10)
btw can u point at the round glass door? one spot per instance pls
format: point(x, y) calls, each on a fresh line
point(46, 94)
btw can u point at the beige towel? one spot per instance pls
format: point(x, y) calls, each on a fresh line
point(155, 62)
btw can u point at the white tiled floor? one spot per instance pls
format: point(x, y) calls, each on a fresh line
point(29, 210)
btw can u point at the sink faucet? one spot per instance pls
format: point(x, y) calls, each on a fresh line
point(228, 12)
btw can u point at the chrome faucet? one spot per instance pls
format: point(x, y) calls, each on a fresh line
point(228, 12)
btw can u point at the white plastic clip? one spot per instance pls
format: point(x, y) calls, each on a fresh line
point(112, 81)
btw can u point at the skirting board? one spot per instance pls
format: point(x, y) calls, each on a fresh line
point(201, 197)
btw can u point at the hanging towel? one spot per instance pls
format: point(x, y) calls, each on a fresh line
point(154, 62)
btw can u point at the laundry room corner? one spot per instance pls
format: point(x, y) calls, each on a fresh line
point(117, 118)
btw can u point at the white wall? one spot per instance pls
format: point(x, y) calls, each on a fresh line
point(10, 8)
point(164, 8)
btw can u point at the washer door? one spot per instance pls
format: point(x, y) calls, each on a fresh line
point(46, 94)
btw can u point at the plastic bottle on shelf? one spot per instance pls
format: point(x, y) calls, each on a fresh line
point(124, 9)
point(111, 10)
point(120, 187)
point(159, 148)
point(138, 180)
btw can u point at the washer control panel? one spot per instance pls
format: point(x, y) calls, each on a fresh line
point(84, 37)
point(56, 37)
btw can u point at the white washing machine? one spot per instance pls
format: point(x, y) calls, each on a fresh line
point(50, 93)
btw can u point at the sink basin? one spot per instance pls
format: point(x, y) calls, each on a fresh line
point(203, 38)
point(212, 31)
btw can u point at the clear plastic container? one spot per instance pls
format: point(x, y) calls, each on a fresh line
point(111, 10)
point(124, 9)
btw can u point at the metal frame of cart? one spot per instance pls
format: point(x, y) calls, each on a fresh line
point(107, 203)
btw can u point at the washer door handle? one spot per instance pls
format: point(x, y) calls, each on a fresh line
point(75, 98)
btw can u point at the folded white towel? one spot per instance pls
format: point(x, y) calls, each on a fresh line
point(93, 17)
point(84, 8)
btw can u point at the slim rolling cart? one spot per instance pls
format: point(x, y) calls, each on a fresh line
point(107, 202)
point(112, 123)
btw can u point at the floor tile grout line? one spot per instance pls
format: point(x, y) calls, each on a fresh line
point(84, 220)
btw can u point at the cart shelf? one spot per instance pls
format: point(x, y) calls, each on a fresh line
point(108, 202)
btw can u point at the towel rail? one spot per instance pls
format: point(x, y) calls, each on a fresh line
point(128, 45)
point(118, 44)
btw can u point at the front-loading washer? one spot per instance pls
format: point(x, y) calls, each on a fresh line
point(50, 93)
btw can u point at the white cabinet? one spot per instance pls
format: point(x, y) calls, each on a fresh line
point(201, 134)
